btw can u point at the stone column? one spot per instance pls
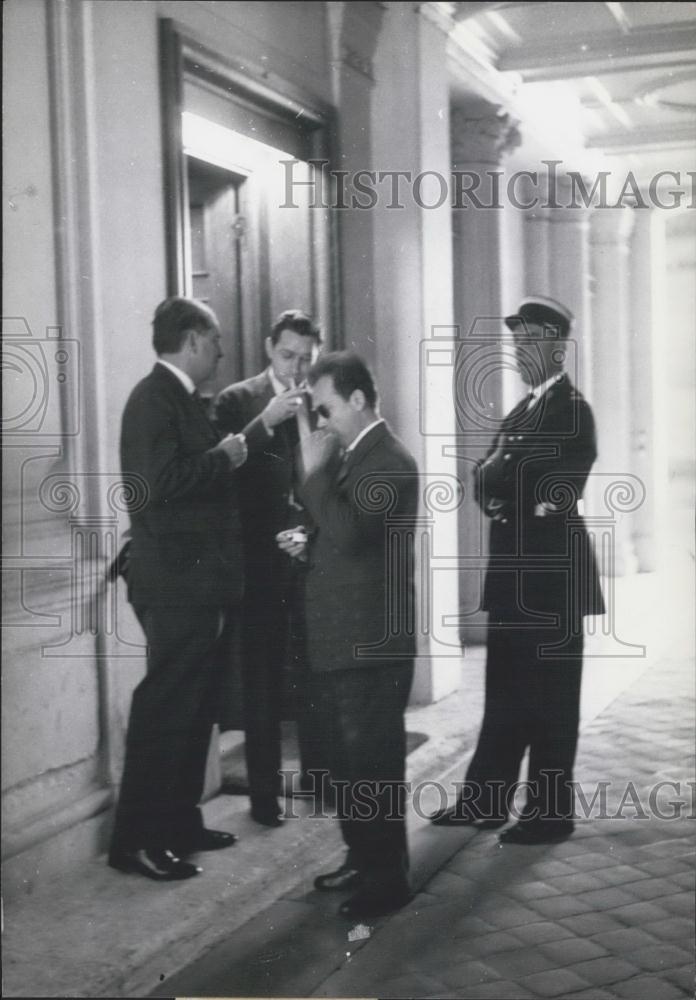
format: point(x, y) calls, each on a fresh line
point(480, 138)
point(354, 31)
point(411, 287)
point(536, 247)
point(647, 461)
point(569, 279)
point(611, 371)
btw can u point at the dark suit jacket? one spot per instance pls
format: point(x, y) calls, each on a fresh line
point(541, 563)
point(357, 594)
point(266, 478)
point(186, 538)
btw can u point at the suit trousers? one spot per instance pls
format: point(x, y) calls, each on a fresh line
point(365, 710)
point(273, 636)
point(532, 701)
point(170, 724)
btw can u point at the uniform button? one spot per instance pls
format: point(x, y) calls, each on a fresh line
point(504, 520)
point(507, 456)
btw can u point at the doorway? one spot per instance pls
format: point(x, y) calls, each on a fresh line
point(215, 276)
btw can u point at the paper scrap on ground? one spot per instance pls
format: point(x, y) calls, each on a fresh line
point(359, 933)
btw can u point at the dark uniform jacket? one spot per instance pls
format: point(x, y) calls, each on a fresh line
point(185, 544)
point(541, 558)
point(359, 591)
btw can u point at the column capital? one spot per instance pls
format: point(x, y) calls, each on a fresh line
point(483, 135)
point(354, 30)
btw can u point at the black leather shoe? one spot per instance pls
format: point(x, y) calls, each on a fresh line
point(375, 901)
point(266, 812)
point(208, 840)
point(344, 877)
point(454, 816)
point(541, 833)
point(159, 864)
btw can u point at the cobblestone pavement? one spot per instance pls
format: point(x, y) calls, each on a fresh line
point(608, 913)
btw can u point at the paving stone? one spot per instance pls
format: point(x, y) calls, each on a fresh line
point(670, 848)
point(488, 944)
point(593, 993)
point(555, 983)
point(472, 925)
point(578, 882)
point(500, 988)
point(568, 951)
point(534, 890)
point(604, 971)
point(662, 866)
point(627, 940)
point(647, 988)
point(619, 874)
point(682, 977)
point(650, 888)
point(673, 929)
point(447, 883)
point(685, 880)
point(589, 924)
point(639, 913)
point(467, 974)
point(504, 913)
point(409, 985)
point(607, 899)
point(545, 870)
point(516, 964)
point(661, 956)
point(682, 905)
point(541, 931)
point(588, 862)
point(554, 907)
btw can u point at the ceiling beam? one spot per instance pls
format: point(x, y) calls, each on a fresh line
point(641, 139)
point(464, 10)
point(612, 52)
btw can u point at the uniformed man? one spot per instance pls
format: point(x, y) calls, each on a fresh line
point(541, 581)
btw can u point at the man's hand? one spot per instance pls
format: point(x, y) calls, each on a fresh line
point(282, 407)
point(315, 450)
point(235, 446)
point(294, 542)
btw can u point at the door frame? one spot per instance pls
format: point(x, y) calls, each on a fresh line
point(183, 56)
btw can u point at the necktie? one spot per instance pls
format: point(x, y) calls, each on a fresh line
point(201, 407)
point(532, 398)
point(199, 401)
point(342, 473)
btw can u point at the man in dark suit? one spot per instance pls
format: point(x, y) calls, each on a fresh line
point(542, 579)
point(363, 500)
point(271, 410)
point(184, 576)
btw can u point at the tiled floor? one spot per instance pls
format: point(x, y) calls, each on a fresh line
point(608, 913)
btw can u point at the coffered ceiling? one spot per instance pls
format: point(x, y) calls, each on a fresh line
point(622, 75)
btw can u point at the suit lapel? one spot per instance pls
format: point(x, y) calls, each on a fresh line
point(363, 447)
point(193, 409)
